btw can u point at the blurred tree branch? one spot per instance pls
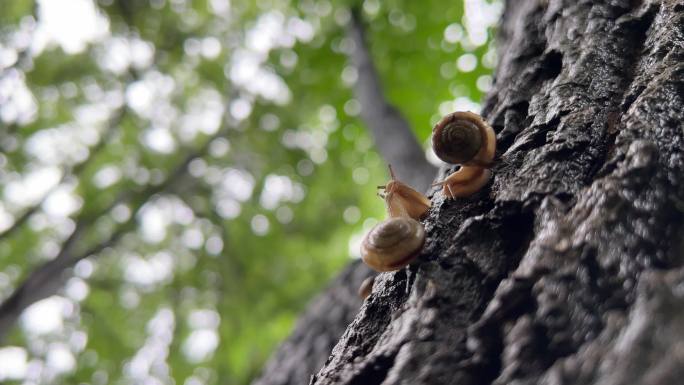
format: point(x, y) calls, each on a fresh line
point(391, 132)
point(47, 279)
point(68, 172)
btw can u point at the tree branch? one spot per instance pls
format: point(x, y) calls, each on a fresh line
point(73, 170)
point(392, 134)
point(46, 279)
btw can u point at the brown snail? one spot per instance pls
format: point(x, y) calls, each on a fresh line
point(402, 200)
point(464, 138)
point(393, 243)
point(366, 287)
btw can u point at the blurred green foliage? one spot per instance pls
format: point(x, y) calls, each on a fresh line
point(215, 149)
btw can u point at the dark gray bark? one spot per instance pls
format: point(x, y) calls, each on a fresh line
point(318, 330)
point(566, 269)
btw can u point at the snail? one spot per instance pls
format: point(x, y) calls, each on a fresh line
point(366, 287)
point(393, 243)
point(402, 200)
point(464, 138)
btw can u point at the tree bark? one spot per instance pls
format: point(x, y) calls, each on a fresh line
point(566, 269)
point(317, 331)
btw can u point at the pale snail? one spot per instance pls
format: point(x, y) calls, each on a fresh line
point(366, 287)
point(392, 243)
point(464, 138)
point(395, 242)
point(403, 201)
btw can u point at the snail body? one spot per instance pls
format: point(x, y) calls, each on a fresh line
point(366, 287)
point(402, 200)
point(396, 241)
point(464, 138)
point(393, 243)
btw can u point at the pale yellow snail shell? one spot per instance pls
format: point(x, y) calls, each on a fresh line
point(392, 243)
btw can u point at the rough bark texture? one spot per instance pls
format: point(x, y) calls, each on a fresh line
point(566, 269)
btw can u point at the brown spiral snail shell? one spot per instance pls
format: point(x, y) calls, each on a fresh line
point(456, 140)
point(464, 138)
point(393, 243)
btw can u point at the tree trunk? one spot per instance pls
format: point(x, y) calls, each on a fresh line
point(566, 269)
point(383, 119)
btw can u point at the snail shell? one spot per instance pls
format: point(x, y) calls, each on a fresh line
point(464, 138)
point(392, 243)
